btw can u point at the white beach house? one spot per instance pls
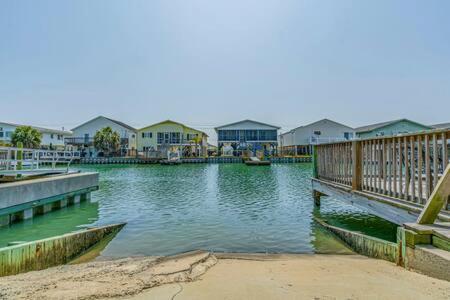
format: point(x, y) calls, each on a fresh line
point(51, 138)
point(83, 135)
point(300, 140)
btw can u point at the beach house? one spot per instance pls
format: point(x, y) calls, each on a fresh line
point(174, 137)
point(50, 139)
point(441, 125)
point(83, 135)
point(390, 128)
point(247, 135)
point(300, 140)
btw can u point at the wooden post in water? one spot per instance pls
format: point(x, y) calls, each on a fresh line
point(315, 172)
point(357, 166)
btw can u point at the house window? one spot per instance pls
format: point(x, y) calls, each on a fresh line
point(267, 135)
point(146, 135)
point(169, 137)
point(317, 132)
point(1, 134)
point(175, 138)
point(191, 136)
point(51, 136)
point(251, 135)
point(228, 135)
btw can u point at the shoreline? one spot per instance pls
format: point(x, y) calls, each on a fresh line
point(204, 275)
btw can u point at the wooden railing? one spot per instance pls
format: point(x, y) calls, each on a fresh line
point(406, 167)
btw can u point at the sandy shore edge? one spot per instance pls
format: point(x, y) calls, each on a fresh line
point(205, 275)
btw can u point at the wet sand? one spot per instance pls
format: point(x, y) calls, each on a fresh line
point(201, 275)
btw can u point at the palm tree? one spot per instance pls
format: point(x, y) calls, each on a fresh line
point(107, 140)
point(197, 140)
point(27, 135)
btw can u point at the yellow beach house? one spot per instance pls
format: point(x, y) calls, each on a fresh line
point(174, 137)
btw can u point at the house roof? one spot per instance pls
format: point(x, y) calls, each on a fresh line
point(41, 129)
point(165, 121)
point(372, 127)
point(441, 126)
point(310, 124)
point(112, 120)
point(247, 120)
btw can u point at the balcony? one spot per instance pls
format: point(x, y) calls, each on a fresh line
point(79, 141)
point(88, 141)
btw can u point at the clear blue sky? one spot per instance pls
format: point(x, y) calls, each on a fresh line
point(206, 63)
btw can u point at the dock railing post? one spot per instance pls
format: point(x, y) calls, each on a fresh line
point(315, 172)
point(357, 166)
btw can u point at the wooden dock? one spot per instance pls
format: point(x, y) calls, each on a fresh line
point(398, 172)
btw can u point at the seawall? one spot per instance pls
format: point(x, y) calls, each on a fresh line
point(363, 244)
point(42, 254)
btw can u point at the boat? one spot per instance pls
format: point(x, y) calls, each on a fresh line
point(254, 161)
point(170, 162)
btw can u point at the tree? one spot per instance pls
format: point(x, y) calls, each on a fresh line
point(107, 140)
point(197, 140)
point(27, 135)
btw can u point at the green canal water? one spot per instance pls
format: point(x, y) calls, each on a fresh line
point(217, 207)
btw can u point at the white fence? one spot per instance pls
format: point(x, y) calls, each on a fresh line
point(34, 158)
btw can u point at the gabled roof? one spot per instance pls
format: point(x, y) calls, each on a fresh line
point(441, 126)
point(170, 121)
point(112, 120)
point(372, 127)
point(313, 123)
point(41, 129)
point(247, 120)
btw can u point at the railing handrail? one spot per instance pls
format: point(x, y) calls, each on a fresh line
point(34, 157)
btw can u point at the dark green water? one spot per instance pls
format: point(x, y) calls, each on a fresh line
point(218, 207)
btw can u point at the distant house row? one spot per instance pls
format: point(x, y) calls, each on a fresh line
point(163, 136)
point(232, 139)
point(301, 139)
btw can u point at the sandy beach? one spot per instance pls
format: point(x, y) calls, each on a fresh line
point(202, 275)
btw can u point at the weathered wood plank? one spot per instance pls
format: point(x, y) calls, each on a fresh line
point(413, 170)
point(444, 150)
point(435, 161)
point(437, 200)
point(420, 169)
point(385, 177)
point(407, 179)
point(400, 169)
point(395, 162)
point(357, 166)
point(427, 167)
point(389, 166)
